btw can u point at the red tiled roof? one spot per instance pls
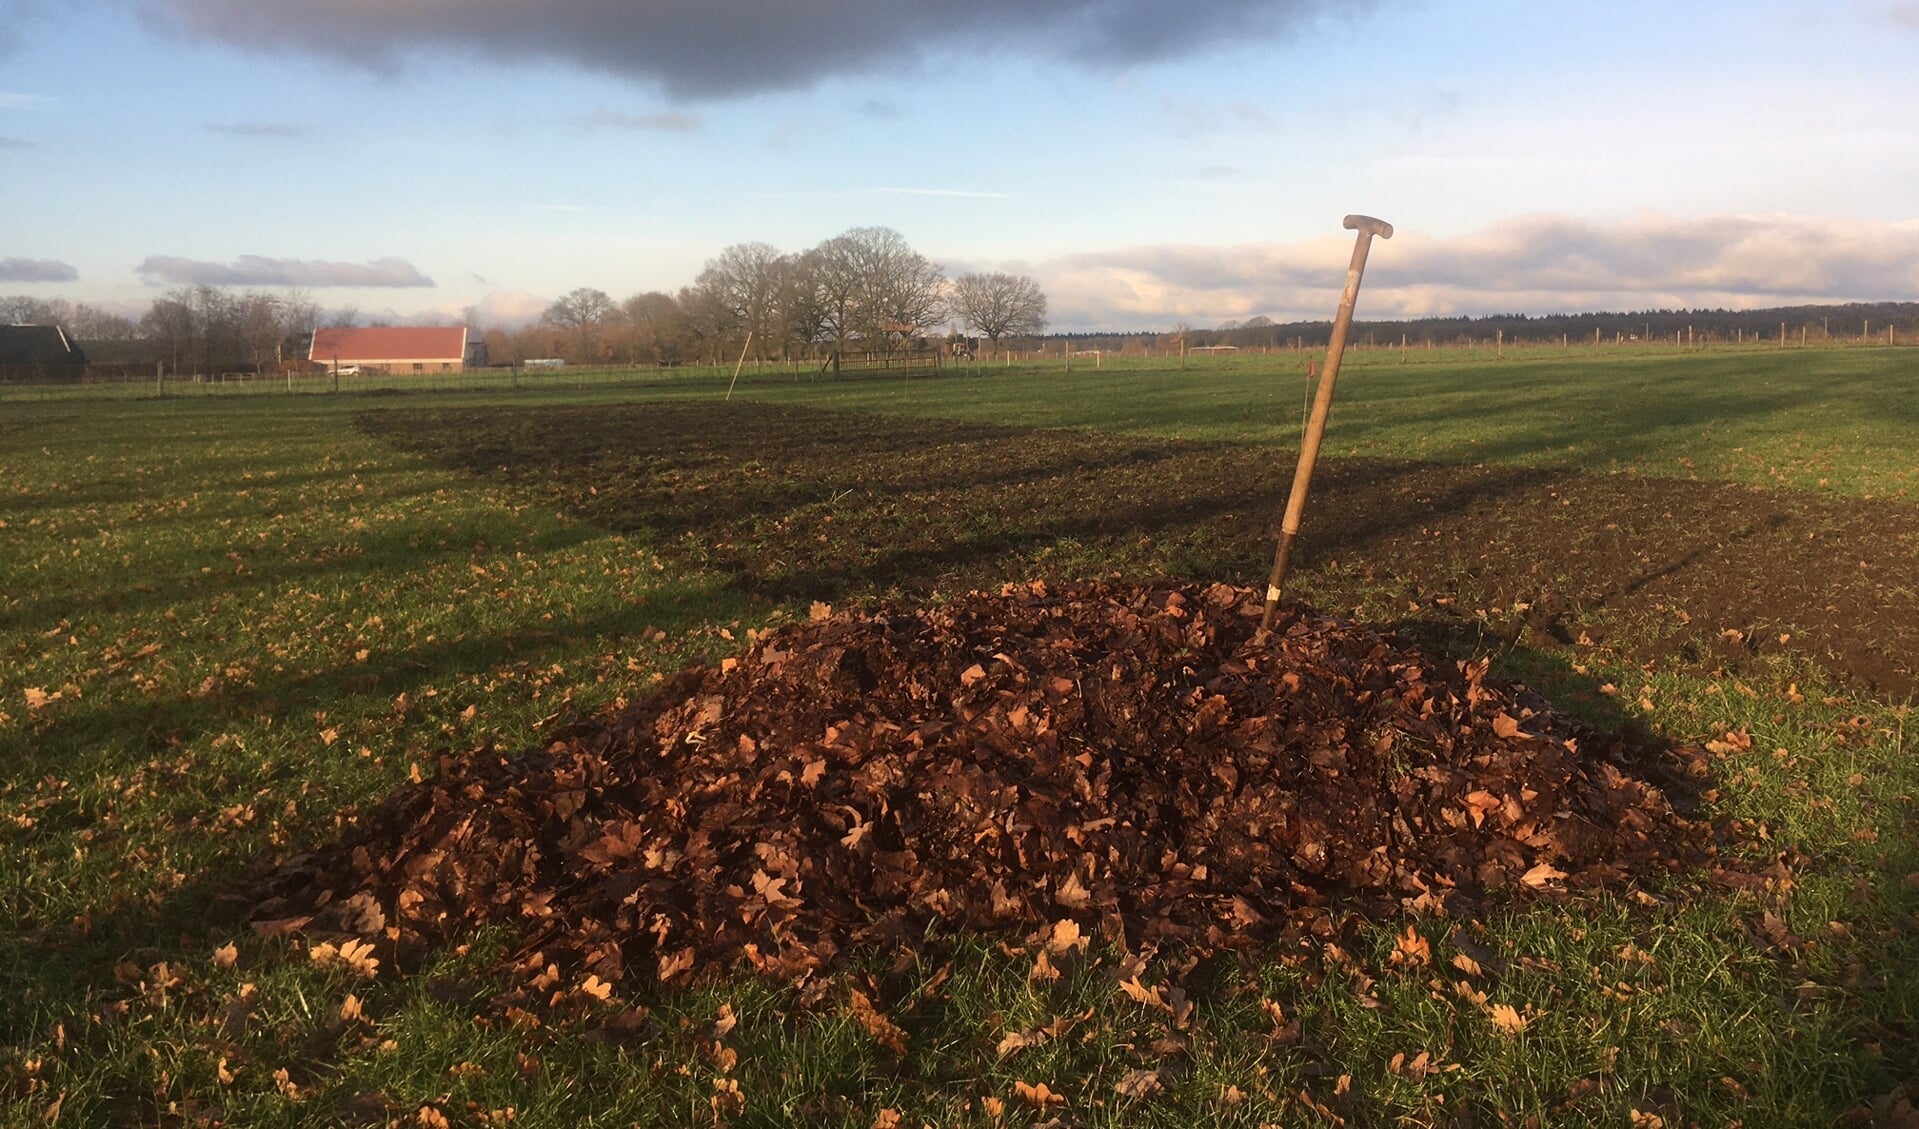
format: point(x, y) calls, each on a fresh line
point(389, 343)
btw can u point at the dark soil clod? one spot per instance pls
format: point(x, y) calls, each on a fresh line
point(1124, 756)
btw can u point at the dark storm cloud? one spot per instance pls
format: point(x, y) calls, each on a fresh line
point(253, 270)
point(14, 16)
point(36, 270)
point(717, 48)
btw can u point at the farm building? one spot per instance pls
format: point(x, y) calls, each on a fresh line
point(38, 345)
point(29, 352)
point(396, 349)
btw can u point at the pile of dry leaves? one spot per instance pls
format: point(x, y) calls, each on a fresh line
point(1124, 758)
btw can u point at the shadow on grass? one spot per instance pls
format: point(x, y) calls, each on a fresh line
point(126, 733)
point(797, 504)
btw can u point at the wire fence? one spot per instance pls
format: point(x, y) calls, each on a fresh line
point(111, 384)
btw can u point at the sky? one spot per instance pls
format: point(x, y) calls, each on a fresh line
point(1149, 163)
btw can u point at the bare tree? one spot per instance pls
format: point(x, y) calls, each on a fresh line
point(834, 271)
point(656, 328)
point(217, 327)
point(22, 309)
point(802, 314)
point(905, 293)
point(81, 321)
point(1000, 305)
point(582, 313)
point(198, 327)
point(301, 312)
point(708, 321)
point(170, 322)
point(745, 281)
point(262, 327)
point(871, 285)
point(89, 323)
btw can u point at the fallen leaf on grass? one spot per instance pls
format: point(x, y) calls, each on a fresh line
point(1417, 1067)
point(883, 1030)
point(354, 956)
point(1470, 994)
point(672, 964)
point(1140, 994)
point(1541, 876)
point(238, 1010)
point(1042, 1095)
point(1139, 1084)
point(1507, 1020)
point(1040, 1036)
point(1895, 1111)
point(1020, 1040)
point(226, 956)
point(1273, 1012)
point(1409, 948)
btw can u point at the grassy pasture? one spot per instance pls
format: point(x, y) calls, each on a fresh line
point(226, 619)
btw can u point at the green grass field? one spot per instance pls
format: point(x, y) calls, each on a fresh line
point(228, 617)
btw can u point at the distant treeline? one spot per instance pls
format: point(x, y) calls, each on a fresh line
point(1852, 321)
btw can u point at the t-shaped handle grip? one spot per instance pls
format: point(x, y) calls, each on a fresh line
point(1367, 225)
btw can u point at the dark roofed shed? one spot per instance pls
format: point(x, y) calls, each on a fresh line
point(22, 345)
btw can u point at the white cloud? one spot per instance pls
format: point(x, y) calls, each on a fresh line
point(1533, 264)
point(500, 309)
point(958, 193)
point(275, 131)
point(256, 270)
point(37, 270)
point(665, 121)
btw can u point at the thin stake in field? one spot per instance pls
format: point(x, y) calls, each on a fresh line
point(1367, 227)
point(741, 364)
